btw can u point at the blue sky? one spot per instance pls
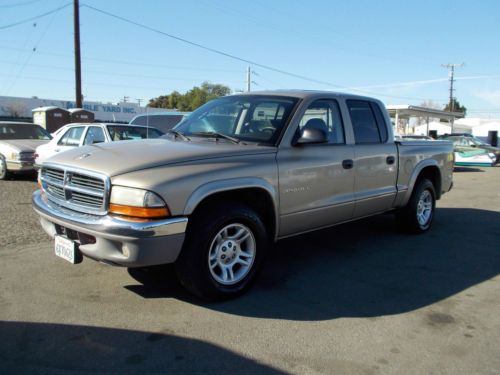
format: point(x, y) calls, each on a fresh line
point(392, 50)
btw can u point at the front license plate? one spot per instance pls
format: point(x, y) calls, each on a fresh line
point(66, 249)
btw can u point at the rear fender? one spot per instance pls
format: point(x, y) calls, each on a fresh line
point(413, 180)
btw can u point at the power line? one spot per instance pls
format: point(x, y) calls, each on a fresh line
point(213, 50)
point(125, 62)
point(18, 60)
point(234, 57)
point(100, 83)
point(35, 17)
point(19, 4)
point(100, 72)
point(33, 50)
point(329, 28)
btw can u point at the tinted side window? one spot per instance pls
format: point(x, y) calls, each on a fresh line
point(363, 122)
point(94, 135)
point(72, 137)
point(382, 126)
point(325, 114)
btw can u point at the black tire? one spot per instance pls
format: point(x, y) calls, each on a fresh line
point(408, 216)
point(4, 173)
point(205, 280)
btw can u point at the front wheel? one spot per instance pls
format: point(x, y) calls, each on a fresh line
point(418, 214)
point(223, 251)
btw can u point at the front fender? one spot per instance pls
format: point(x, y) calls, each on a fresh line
point(214, 187)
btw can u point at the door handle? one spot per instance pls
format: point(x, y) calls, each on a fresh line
point(57, 150)
point(390, 160)
point(347, 164)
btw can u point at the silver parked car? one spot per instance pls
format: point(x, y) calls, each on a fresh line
point(18, 141)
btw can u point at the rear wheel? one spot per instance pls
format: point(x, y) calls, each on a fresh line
point(4, 173)
point(224, 248)
point(418, 214)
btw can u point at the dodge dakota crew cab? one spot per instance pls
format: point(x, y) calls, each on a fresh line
point(239, 172)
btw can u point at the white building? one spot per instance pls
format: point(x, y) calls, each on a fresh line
point(439, 127)
point(12, 106)
point(477, 126)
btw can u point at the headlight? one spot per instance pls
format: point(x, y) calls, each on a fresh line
point(137, 203)
point(14, 155)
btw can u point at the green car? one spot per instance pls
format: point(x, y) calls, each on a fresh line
point(471, 141)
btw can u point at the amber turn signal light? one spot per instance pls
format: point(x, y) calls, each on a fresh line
point(139, 212)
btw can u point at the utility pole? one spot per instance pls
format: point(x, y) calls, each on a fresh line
point(78, 66)
point(451, 105)
point(249, 78)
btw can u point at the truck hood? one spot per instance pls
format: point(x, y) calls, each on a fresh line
point(24, 145)
point(116, 158)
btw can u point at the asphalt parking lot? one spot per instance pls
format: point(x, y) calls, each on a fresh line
point(360, 298)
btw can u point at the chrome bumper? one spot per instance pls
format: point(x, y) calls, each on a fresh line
point(20, 166)
point(118, 242)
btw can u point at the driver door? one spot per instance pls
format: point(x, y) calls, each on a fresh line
point(316, 181)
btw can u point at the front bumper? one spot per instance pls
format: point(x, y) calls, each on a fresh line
point(20, 166)
point(117, 242)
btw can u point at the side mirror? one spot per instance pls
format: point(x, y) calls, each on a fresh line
point(311, 136)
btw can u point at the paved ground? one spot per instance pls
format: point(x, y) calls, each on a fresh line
point(360, 298)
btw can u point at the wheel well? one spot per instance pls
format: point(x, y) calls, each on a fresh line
point(257, 199)
point(433, 174)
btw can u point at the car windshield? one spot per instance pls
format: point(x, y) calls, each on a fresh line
point(23, 131)
point(127, 132)
point(247, 118)
point(478, 142)
point(466, 141)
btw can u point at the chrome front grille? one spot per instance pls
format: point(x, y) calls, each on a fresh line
point(86, 200)
point(54, 174)
point(56, 191)
point(75, 189)
point(86, 182)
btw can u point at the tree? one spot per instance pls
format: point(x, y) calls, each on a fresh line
point(14, 109)
point(192, 99)
point(426, 104)
point(456, 107)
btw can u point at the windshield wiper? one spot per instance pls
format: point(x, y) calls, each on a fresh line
point(177, 133)
point(218, 136)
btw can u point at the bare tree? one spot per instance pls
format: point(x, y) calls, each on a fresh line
point(14, 109)
point(426, 104)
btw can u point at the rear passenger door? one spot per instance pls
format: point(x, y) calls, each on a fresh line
point(375, 159)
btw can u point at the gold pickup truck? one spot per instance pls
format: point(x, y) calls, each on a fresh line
point(236, 174)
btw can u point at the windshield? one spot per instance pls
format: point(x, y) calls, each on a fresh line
point(127, 132)
point(23, 131)
point(466, 141)
point(478, 142)
point(252, 118)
